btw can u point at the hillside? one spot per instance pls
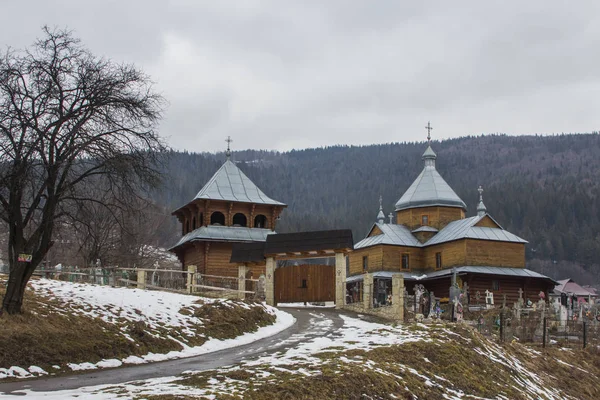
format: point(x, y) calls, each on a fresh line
point(372, 360)
point(543, 188)
point(70, 327)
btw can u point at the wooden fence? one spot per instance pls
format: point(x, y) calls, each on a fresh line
point(171, 280)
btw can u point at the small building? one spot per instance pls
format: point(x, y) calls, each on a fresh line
point(433, 237)
point(229, 209)
point(569, 291)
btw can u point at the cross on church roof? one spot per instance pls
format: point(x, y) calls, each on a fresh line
point(429, 128)
point(228, 152)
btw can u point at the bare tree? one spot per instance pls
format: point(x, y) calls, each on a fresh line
point(68, 120)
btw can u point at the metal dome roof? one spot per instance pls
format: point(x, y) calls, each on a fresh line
point(429, 189)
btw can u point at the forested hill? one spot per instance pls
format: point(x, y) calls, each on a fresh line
point(543, 188)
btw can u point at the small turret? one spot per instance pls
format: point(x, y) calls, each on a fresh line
point(481, 210)
point(381, 215)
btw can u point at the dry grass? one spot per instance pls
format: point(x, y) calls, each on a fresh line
point(45, 338)
point(399, 370)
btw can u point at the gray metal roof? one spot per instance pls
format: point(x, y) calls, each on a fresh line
point(429, 189)
point(465, 229)
point(231, 184)
point(425, 229)
point(411, 276)
point(218, 233)
point(380, 274)
point(393, 234)
point(521, 272)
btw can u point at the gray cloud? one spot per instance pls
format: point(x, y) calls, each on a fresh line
point(295, 74)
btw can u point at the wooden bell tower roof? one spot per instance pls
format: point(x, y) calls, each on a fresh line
point(229, 183)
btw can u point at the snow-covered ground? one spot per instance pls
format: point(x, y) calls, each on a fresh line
point(156, 309)
point(307, 359)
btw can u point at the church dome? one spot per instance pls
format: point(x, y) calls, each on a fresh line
point(429, 189)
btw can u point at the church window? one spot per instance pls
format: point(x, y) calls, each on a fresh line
point(217, 218)
point(405, 258)
point(239, 219)
point(304, 284)
point(194, 223)
point(438, 260)
point(365, 263)
point(187, 226)
point(424, 220)
point(495, 285)
point(260, 221)
point(201, 219)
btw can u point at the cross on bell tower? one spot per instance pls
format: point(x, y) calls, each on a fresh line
point(429, 128)
point(228, 152)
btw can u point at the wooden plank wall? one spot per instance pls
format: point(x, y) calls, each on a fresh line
point(487, 222)
point(194, 255)
point(438, 216)
point(453, 254)
point(392, 258)
point(375, 262)
point(320, 281)
point(495, 254)
point(219, 254)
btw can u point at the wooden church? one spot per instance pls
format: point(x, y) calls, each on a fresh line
point(433, 236)
point(229, 209)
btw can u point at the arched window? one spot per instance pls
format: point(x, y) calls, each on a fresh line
point(239, 219)
point(194, 223)
point(260, 221)
point(217, 218)
point(201, 220)
point(187, 226)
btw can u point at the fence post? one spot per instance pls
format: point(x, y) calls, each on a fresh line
point(544, 334)
point(141, 279)
point(242, 282)
point(584, 334)
point(368, 291)
point(190, 278)
point(501, 326)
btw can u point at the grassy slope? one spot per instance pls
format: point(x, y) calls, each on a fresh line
point(44, 336)
point(429, 369)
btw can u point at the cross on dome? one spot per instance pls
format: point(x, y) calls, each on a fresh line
point(481, 209)
point(228, 152)
point(429, 128)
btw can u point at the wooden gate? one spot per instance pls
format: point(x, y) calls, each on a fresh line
point(300, 283)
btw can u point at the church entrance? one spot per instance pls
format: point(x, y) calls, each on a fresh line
point(309, 283)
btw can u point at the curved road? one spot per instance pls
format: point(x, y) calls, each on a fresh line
point(310, 323)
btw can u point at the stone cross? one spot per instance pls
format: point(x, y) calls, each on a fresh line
point(520, 293)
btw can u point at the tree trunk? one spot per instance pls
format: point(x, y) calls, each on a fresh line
point(15, 290)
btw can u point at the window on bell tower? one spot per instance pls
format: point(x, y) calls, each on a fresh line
point(424, 220)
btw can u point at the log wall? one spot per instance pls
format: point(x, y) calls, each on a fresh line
point(375, 261)
point(453, 254)
point(392, 258)
point(487, 222)
point(495, 254)
point(438, 216)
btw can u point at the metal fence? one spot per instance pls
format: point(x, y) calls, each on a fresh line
point(539, 327)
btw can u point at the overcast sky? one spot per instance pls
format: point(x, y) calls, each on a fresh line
point(295, 74)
